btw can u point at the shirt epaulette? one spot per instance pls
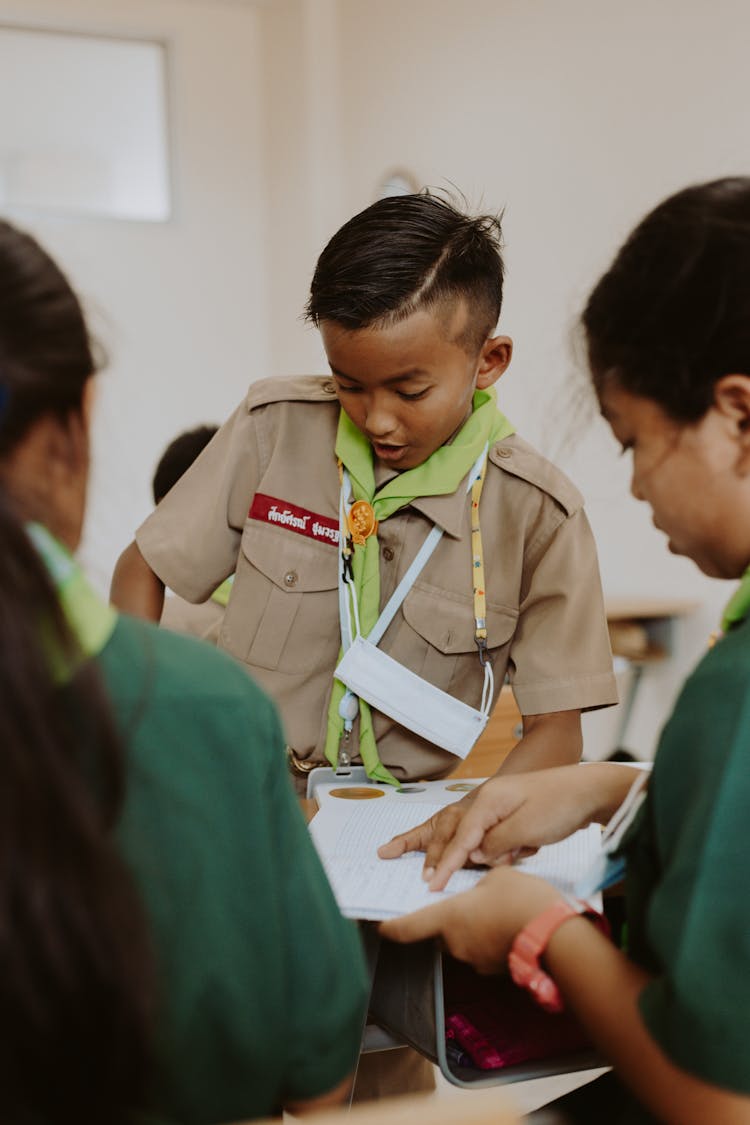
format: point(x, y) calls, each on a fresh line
point(290, 388)
point(514, 455)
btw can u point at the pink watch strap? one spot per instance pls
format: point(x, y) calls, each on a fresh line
point(528, 947)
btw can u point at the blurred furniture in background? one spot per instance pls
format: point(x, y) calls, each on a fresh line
point(641, 632)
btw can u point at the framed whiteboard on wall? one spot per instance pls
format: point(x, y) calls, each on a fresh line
point(83, 125)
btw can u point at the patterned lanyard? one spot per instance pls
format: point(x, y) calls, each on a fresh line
point(477, 562)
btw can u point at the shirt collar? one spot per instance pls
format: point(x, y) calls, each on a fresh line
point(448, 511)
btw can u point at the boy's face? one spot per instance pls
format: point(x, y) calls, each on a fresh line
point(408, 386)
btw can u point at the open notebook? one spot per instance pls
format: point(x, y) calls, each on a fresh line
point(347, 834)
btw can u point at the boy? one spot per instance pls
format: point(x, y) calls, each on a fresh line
point(203, 620)
point(406, 296)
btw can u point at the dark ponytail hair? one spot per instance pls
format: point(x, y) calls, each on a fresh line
point(76, 988)
point(672, 314)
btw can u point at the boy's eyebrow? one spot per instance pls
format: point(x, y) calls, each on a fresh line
point(413, 373)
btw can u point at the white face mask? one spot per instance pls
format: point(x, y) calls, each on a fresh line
point(413, 702)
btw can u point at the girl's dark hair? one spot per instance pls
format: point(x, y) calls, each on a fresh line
point(75, 962)
point(408, 252)
point(672, 314)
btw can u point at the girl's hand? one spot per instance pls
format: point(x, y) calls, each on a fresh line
point(511, 816)
point(506, 817)
point(479, 926)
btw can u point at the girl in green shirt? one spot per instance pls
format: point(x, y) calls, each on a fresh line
point(668, 335)
point(170, 947)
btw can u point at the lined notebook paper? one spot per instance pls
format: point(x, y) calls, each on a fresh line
point(347, 835)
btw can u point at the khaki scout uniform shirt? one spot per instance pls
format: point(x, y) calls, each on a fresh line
point(546, 625)
point(202, 621)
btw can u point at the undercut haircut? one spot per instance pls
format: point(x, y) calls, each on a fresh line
point(410, 252)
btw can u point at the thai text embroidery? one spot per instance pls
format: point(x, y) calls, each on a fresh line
point(270, 509)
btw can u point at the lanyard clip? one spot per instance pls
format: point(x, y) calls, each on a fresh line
point(347, 572)
point(344, 760)
point(484, 657)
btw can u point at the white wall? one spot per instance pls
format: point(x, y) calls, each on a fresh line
point(575, 118)
point(180, 306)
point(306, 166)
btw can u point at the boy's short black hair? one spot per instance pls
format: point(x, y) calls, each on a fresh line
point(178, 457)
point(408, 252)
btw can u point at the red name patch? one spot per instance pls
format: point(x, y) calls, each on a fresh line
point(268, 509)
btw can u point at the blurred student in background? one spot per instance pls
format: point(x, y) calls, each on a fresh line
point(203, 619)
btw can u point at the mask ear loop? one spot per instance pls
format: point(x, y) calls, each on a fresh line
point(488, 688)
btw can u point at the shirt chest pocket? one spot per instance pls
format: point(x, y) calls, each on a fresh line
point(439, 636)
point(283, 612)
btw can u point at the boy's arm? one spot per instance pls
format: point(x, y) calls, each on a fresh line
point(136, 589)
point(548, 740)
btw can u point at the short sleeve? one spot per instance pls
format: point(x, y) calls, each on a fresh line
point(192, 538)
point(697, 921)
point(560, 658)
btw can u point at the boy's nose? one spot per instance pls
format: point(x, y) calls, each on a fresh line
point(379, 421)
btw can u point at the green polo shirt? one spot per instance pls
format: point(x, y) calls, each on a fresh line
point(688, 891)
point(262, 980)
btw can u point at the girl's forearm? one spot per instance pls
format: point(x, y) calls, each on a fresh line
point(601, 986)
point(607, 784)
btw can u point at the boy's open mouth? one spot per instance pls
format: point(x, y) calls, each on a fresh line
point(388, 452)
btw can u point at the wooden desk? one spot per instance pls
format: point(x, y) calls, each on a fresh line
point(484, 1107)
point(640, 629)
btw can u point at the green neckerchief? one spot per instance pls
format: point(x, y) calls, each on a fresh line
point(90, 619)
point(439, 475)
point(221, 593)
point(738, 606)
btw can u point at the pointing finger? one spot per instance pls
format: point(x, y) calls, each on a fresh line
point(415, 840)
point(467, 839)
point(444, 829)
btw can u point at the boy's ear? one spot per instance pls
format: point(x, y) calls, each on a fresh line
point(494, 358)
point(732, 401)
